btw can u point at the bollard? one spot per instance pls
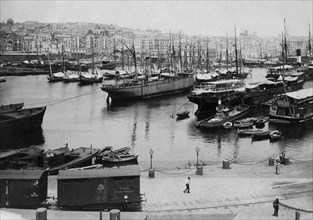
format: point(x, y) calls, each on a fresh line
point(286, 160)
point(199, 170)
point(297, 215)
point(271, 161)
point(225, 164)
point(41, 214)
point(115, 214)
point(151, 173)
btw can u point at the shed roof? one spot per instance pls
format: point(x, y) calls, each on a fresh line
point(21, 174)
point(301, 94)
point(122, 171)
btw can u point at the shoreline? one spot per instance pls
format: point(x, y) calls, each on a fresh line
point(241, 192)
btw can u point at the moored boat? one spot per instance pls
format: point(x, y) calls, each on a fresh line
point(183, 114)
point(207, 95)
point(143, 89)
point(275, 135)
point(260, 135)
point(22, 119)
point(243, 124)
point(223, 115)
point(82, 156)
point(2, 79)
point(293, 107)
point(228, 125)
point(248, 132)
point(11, 107)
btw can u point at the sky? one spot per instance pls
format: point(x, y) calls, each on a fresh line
point(205, 17)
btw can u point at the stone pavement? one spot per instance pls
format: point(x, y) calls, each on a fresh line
point(241, 192)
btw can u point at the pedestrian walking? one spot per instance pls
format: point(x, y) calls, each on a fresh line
point(187, 190)
point(276, 207)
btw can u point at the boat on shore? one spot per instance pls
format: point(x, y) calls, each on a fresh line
point(63, 158)
point(19, 158)
point(11, 107)
point(119, 156)
point(293, 107)
point(223, 115)
point(22, 119)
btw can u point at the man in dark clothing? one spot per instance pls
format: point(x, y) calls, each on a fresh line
point(276, 207)
point(187, 190)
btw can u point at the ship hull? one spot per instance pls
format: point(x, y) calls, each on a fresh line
point(149, 89)
point(208, 104)
point(22, 120)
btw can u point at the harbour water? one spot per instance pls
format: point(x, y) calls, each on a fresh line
point(80, 116)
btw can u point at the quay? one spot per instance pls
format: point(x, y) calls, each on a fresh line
point(244, 191)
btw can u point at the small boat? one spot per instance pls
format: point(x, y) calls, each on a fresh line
point(17, 159)
point(223, 115)
point(123, 150)
point(2, 79)
point(243, 124)
point(248, 132)
point(22, 119)
point(275, 135)
point(119, 158)
point(56, 77)
point(79, 157)
point(71, 77)
point(184, 114)
point(11, 107)
point(260, 123)
point(228, 125)
point(261, 135)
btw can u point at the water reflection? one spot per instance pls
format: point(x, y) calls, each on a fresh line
point(22, 139)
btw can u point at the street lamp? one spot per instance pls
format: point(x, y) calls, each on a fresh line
point(197, 151)
point(151, 153)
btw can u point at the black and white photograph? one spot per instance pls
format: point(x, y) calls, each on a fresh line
point(150, 110)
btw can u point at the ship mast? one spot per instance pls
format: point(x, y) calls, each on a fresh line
point(226, 50)
point(207, 55)
point(122, 53)
point(310, 47)
point(236, 52)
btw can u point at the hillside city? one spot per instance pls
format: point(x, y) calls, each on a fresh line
point(108, 42)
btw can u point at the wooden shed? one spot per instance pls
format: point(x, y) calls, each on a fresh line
point(107, 187)
point(23, 188)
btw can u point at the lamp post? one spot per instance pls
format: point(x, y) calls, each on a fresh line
point(197, 151)
point(151, 153)
point(151, 170)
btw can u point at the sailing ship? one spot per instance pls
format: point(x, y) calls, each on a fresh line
point(58, 76)
point(73, 76)
point(93, 75)
point(149, 86)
